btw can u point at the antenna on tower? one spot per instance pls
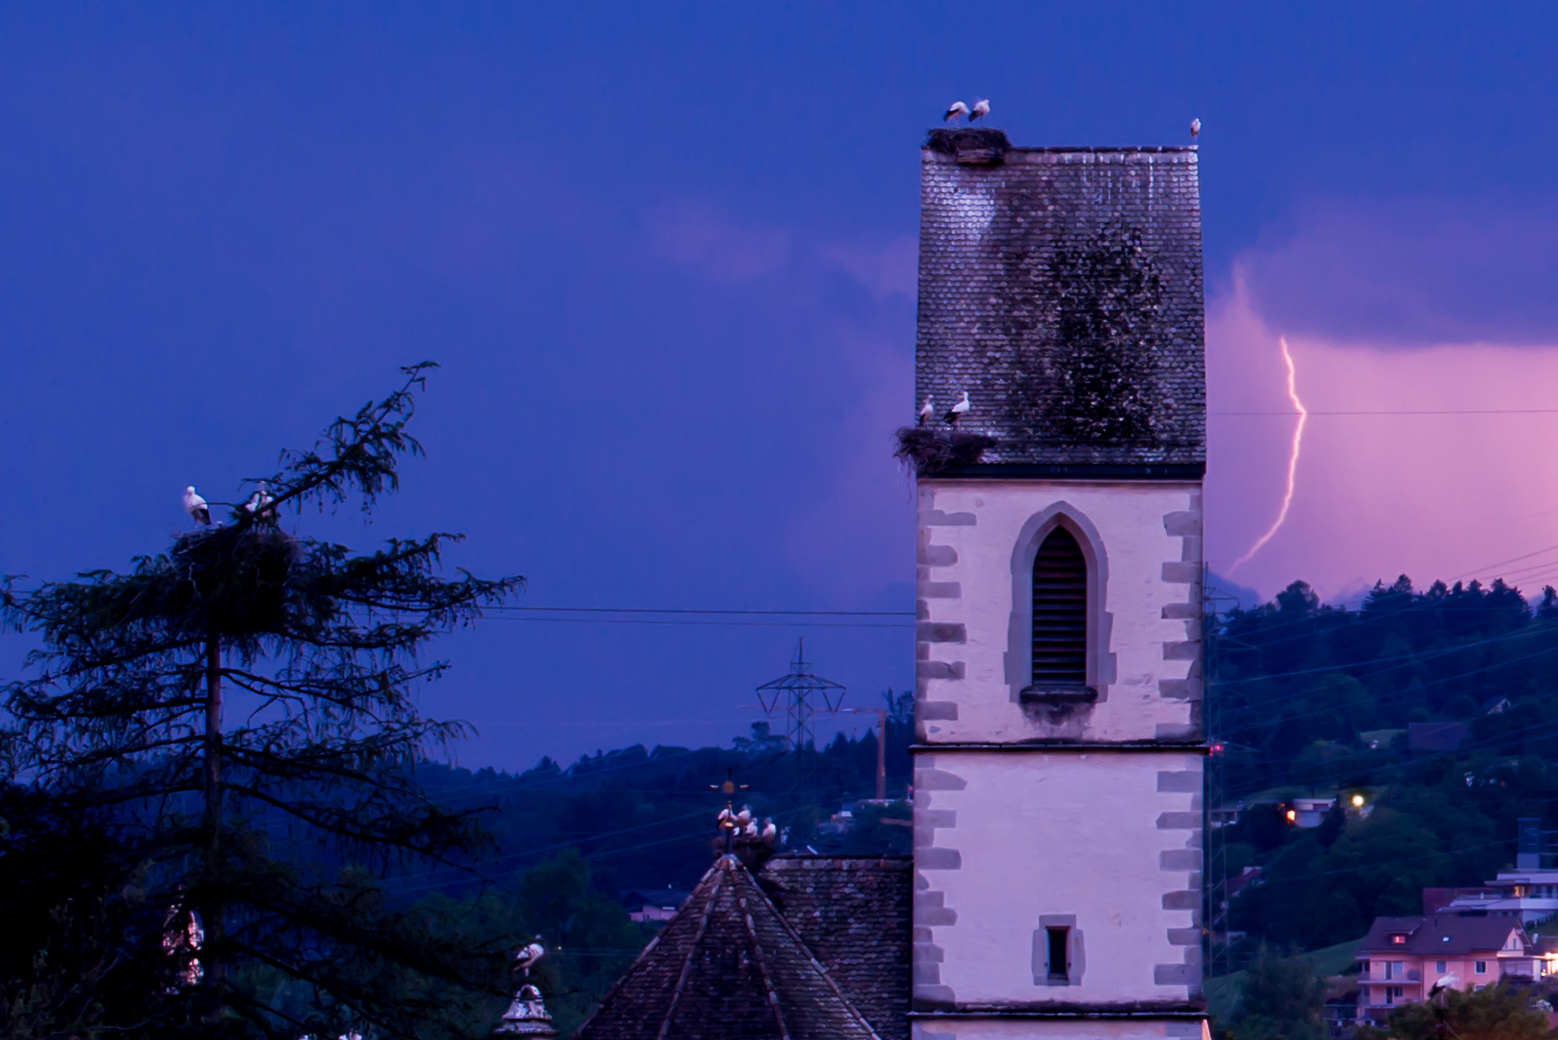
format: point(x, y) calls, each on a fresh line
point(801, 692)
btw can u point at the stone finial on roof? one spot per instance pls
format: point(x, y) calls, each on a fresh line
point(526, 1016)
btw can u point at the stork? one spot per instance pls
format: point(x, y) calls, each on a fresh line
point(527, 956)
point(256, 506)
point(957, 411)
point(770, 832)
point(981, 109)
point(196, 506)
point(957, 108)
point(927, 411)
point(1195, 129)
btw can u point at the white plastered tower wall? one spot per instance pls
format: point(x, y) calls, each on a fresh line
point(1040, 817)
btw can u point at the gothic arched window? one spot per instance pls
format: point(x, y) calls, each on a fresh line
point(1059, 613)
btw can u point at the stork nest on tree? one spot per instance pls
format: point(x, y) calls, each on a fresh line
point(236, 580)
point(931, 451)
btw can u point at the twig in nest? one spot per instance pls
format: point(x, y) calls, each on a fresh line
point(930, 451)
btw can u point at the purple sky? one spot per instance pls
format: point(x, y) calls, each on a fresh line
point(666, 257)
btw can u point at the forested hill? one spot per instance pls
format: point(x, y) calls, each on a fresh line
point(1312, 699)
point(643, 818)
point(1305, 699)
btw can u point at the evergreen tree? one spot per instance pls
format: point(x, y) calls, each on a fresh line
point(241, 712)
point(1280, 999)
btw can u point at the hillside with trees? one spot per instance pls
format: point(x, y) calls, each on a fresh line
point(1308, 699)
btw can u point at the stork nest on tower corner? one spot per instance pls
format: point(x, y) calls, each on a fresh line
point(931, 451)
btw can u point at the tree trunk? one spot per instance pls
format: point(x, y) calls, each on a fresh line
point(211, 908)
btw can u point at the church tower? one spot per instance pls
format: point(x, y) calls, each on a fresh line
point(1058, 763)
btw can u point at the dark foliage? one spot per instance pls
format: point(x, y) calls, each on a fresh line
point(1316, 700)
point(81, 935)
point(929, 451)
point(1281, 998)
point(643, 818)
point(272, 824)
point(1502, 1012)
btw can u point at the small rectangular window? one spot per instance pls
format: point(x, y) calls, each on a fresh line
point(1398, 969)
point(1057, 951)
point(1390, 994)
point(1481, 967)
point(1441, 966)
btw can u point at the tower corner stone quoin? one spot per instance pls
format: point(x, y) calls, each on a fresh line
point(1058, 764)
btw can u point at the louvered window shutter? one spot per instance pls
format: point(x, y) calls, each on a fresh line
point(1059, 612)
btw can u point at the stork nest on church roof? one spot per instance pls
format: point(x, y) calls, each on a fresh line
point(930, 451)
point(958, 140)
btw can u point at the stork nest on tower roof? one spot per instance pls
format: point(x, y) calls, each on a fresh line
point(969, 144)
point(930, 451)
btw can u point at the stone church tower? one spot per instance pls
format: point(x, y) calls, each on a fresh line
point(1057, 783)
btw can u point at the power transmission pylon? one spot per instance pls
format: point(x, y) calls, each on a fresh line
point(801, 692)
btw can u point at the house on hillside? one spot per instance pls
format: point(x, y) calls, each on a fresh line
point(1529, 893)
point(1403, 958)
point(652, 904)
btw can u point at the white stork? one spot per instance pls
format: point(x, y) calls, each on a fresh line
point(1195, 129)
point(927, 411)
point(527, 956)
point(981, 109)
point(958, 410)
point(259, 501)
point(957, 108)
point(196, 506)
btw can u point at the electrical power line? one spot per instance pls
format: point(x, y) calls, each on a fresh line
point(1409, 411)
point(710, 610)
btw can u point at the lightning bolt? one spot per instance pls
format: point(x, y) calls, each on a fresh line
point(1298, 442)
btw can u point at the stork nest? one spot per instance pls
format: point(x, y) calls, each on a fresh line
point(237, 579)
point(968, 141)
point(930, 451)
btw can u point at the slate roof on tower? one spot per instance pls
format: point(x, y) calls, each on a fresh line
point(726, 967)
point(1061, 288)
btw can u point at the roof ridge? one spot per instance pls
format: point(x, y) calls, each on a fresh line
point(757, 947)
point(692, 949)
point(784, 922)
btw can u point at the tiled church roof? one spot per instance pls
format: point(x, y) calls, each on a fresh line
point(726, 967)
point(855, 915)
point(1061, 288)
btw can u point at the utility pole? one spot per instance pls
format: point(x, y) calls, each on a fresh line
point(881, 748)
